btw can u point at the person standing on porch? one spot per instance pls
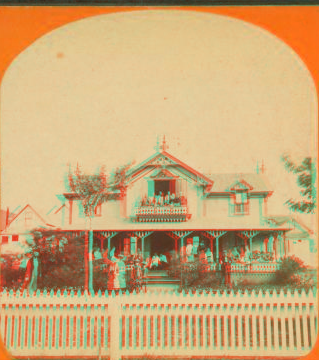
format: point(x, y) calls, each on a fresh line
point(163, 261)
point(183, 254)
point(189, 252)
point(209, 256)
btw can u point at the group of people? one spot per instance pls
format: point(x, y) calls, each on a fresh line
point(120, 270)
point(204, 255)
point(161, 199)
point(156, 262)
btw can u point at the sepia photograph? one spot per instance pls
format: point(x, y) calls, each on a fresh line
point(159, 182)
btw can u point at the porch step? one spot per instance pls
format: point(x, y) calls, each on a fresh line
point(159, 280)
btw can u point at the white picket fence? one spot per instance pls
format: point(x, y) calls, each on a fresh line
point(160, 324)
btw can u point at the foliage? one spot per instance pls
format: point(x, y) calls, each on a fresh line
point(306, 181)
point(119, 177)
point(11, 273)
point(48, 244)
point(65, 269)
point(91, 189)
point(192, 275)
point(289, 271)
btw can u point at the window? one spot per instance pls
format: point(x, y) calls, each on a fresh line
point(240, 204)
point(5, 239)
point(15, 237)
point(98, 210)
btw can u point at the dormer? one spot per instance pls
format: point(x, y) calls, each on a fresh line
point(239, 204)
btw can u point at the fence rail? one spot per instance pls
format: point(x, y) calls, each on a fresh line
point(166, 324)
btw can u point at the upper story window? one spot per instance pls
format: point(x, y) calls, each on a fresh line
point(98, 210)
point(240, 205)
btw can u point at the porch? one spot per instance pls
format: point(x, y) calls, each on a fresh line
point(242, 250)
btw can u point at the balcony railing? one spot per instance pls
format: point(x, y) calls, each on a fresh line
point(161, 213)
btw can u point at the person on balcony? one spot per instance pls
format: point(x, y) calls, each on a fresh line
point(167, 198)
point(157, 200)
point(172, 198)
point(161, 199)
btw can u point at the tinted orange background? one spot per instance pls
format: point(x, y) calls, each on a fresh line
point(297, 26)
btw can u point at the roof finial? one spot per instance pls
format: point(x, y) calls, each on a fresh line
point(164, 145)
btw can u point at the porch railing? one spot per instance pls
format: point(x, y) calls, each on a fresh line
point(159, 324)
point(161, 213)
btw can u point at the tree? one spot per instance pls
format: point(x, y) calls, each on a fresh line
point(61, 259)
point(93, 190)
point(306, 176)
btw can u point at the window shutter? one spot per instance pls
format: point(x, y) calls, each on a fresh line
point(150, 188)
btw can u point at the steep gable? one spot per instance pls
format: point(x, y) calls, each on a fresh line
point(25, 220)
point(164, 160)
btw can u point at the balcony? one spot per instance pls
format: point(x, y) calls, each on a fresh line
point(167, 213)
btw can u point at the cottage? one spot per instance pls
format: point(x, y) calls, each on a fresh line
point(17, 227)
point(167, 207)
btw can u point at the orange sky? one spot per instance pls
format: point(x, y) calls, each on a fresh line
point(295, 25)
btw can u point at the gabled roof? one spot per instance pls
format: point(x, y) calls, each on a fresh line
point(19, 214)
point(224, 182)
point(163, 158)
point(240, 185)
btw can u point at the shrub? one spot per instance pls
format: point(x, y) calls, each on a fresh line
point(12, 274)
point(290, 270)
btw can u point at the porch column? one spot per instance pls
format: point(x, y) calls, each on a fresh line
point(217, 251)
point(211, 246)
point(142, 241)
point(176, 246)
point(102, 243)
point(108, 244)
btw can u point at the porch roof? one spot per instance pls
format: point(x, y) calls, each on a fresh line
point(127, 225)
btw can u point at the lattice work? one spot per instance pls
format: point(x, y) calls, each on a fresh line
point(172, 235)
point(141, 234)
point(216, 233)
point(250, 234)
point(182, 233)
point(109, 234)
point(208, 235)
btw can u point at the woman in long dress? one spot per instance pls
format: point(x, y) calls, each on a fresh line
point(32, 273)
